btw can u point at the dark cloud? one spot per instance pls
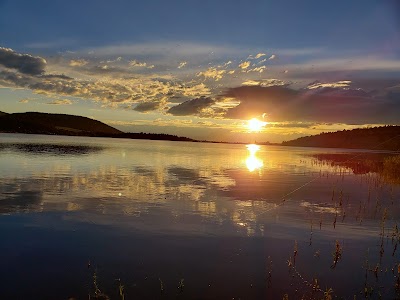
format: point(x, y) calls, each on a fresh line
point(56, 76)
point(191, 107)
point(24, 63)
point(256, 100)
point(335, 105)
point(147, 106)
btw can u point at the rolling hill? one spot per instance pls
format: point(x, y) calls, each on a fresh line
point(376, 138)
point(44, 123)
point(62, 124)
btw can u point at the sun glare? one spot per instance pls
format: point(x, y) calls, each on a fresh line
point(255, 124)
point(253, 162)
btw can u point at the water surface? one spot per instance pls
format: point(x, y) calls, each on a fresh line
point(218, 221)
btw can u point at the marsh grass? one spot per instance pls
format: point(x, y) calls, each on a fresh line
point(387, 166)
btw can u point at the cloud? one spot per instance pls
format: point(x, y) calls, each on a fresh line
point(258, 69)
point(182, 64)
point(338, 84)
point(174, 49)
point(60, 102)
point(227, 63)
point(266, 82)
point(110, 91)
point(251, 82)
point(244, 65)
point(78, 62)
point(282, 103)
point(25, 100)
point(191, 107)
point(148, 106)
point(114, 83)
point(23, 63)
point(55, 76)
point(55, 43)
point(212, 73)
point(260, 55)
point(273, 56)
point(135, 63)
point(110, 61)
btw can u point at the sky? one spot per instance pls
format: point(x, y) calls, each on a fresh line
point(202, 69)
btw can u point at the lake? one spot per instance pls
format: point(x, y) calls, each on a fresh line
point(86, 216)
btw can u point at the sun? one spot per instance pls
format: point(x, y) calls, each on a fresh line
point(255, 124)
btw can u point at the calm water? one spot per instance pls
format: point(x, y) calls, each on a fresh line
point(175, 220)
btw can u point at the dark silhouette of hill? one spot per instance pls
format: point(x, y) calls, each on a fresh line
point(62, 124)
point(375, 138)
point(44, 123)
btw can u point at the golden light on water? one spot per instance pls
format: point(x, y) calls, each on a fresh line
point(253, 162)
point(253, 148)
point(255, 124)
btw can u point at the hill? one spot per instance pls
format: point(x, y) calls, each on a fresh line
point(62, 124)
point(376, 138)
point(44, 123)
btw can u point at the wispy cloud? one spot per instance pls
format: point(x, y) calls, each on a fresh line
point(260, 55)
point(338, 84)
point(60, 102)
point(182, 64)
point(244, 65)
point(135, 63)
point(258, 69)
point(212, 73)
point(78, 62)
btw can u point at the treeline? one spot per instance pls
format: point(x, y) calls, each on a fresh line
point(374, 138)
point(152, 136)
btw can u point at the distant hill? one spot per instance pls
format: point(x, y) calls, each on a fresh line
point(61, 124)
point(376, 138)
point(44, 123)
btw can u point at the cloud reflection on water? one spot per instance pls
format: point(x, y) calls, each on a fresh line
point(172, 184)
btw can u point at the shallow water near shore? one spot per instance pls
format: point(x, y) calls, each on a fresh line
point(187, 220)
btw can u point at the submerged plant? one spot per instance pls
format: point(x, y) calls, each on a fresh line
point(295, 251)
point(181, 285)
point(269, 279)
point(98, 294)
point(121, 290)
point(337, 254)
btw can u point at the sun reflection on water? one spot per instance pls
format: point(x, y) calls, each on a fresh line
point(253, 162)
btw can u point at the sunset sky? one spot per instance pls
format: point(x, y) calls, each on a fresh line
point(203, 68)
